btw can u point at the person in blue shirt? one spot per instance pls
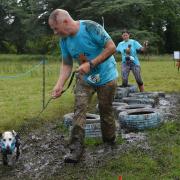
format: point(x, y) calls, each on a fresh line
point(90, 45)
point(128, 49)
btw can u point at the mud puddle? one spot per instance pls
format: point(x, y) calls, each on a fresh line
point(43, 150)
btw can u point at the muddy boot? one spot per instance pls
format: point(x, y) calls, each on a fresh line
point(111, 141)
point(109, 144)
point(76, 145)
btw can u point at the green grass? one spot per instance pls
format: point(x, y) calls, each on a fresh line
point(159, 74)
point(21, 98)
point(161, 162)
point(21, 102)
point(93, 142)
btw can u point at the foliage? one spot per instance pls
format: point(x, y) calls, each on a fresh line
point(24, 23)
point(45, 45)
point(11, 48)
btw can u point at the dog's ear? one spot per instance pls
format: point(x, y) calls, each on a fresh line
point(14, 133)
point(0, 134)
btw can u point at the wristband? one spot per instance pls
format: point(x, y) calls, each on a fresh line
point(91, 65)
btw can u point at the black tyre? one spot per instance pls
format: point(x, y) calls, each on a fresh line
point(132, 88)
point(140, 119)
point(151, 95)
point(121, 92)
point(90, 118)
point(137, 100)
point(114, 104)
point(67, 119)
point(161, 94)
point(119, 104)
point(145, 95)
point(129, 107)
point(132, 107)
point(93, 129)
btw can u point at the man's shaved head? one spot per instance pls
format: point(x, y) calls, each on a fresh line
point(62, 23)
point(59, 15)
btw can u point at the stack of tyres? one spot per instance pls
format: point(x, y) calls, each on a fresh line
point(151, 95)
point(139, 100)
point(92, 127)
point(132, 107)
point(122, 91)
point(118, 104)
point(140, 113)
point(115, 105)
point(120, 94)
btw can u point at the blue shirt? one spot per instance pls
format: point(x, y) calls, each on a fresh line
point(89, 41)
point(122, 46)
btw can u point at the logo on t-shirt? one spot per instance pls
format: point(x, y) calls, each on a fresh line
point(94, 78)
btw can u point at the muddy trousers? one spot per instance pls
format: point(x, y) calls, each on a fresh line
point(105, 93)
point(136, 70)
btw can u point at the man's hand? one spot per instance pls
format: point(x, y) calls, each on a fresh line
point(57, 91)
point(65, 72)
point(146, 44)
point(84, 68)
point(128, 50)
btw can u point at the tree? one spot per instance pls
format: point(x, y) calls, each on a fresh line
point(24, 23)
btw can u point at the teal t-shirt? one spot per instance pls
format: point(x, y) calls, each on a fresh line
point(122, 46)
point(89, 41)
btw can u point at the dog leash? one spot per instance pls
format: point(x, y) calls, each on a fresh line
point(51, 98)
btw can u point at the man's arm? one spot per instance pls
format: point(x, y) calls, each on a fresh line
point(109, 50)
point(143, 48)
point(65, 72)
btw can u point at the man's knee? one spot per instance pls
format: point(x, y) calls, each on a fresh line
point(105, 108)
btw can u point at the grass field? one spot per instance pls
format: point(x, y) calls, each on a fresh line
point(21, 102)
point(161, 162)
point(21, 96)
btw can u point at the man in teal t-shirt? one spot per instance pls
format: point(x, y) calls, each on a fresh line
point(128, 49)
point(87, 44)
point(90, 45)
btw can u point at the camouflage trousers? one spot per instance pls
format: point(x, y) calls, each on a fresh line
point(105, 93)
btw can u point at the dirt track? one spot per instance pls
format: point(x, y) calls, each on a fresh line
point(44, 148)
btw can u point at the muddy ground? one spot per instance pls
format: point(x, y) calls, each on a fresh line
point(43, 150)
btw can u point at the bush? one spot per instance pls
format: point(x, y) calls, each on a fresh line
point(43, 45)
point(9, 48)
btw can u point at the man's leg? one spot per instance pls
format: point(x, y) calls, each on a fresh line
point(137, 74)
point(106, 96)
point(82, 92)
point(125, 69)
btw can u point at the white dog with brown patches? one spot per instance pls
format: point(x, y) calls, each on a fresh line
point(10, 147)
